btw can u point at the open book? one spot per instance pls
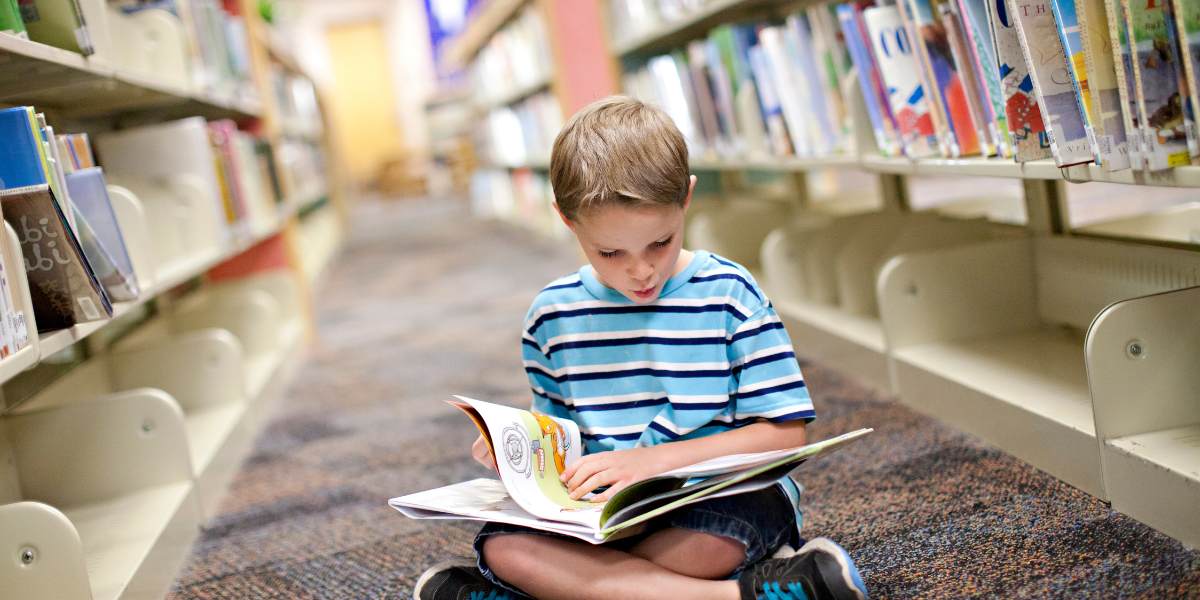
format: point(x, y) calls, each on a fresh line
point(531, 451)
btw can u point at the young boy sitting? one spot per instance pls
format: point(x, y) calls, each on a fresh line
point(664, 357)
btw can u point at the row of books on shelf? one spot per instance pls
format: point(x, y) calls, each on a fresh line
point(56, 196)
point(195, 44)
point(1110, 82)
point(521, 134)
point(516, 57)
point(298, 107)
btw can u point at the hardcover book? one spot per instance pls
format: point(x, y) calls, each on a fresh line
point(1056, 96)
point(1030, 138)
point(777, 131)
point(531, 451)
point(982, 49)
point(948, 97)
point(1187, 26)
point(63, 287)
point(1156, 84)
point(1070, 35)
point(100, 234)
point(893, 51)
point(1127, 86)
point(871, 82)
point(964, 64)
point(1104, 88)
point(1176, 36)
point(58, 23)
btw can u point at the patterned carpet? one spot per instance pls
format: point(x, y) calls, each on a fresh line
point(425, 302)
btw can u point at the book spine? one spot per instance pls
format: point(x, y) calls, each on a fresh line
point(777, 132)
point(1187, 24)
point(971, 84)
point(918, 16)
point(1055, 95)
point(893, 51)
point(1106, 116)
point(825, 139)
point(1156, 85)
point(1178, 42)
point(775, 55)
point(1071, 39)
point(1119, 39)
point(983, 54)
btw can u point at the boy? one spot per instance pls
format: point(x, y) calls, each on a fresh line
point(664, 357)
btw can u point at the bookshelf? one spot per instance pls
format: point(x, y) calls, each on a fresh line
point(163, 399)
point(1019, 335)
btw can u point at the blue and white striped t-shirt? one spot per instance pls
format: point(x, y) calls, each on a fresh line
point(710, 354)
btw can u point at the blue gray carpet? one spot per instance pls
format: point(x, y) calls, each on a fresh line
point(425, 302)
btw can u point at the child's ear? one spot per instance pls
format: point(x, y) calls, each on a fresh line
point(568, 222)
point(691, 188)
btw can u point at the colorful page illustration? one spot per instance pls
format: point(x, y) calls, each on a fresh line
point(1025, 122)
point(893, 51)
point(531, 451)
point(1159, 103)
point(950, 94)
point(1070, 35)
point(983, 50)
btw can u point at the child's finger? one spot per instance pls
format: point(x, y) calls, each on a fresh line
point(583, 473)
point(588, 485)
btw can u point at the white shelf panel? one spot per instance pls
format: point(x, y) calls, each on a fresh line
point(19, 361)
point(859, 329)
point(1040, 371)
point(1179, 224)
point(208, 430)
point(1176, 450)
point(851, 343)
point(122, 537)
point(784, 164)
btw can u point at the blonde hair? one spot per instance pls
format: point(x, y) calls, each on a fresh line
point(618, 150)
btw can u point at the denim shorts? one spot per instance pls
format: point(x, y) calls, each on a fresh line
point(763, 521)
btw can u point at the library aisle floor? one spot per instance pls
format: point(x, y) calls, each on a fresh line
point(426, 302)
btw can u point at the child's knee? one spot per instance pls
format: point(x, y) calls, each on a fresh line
point(508, 555)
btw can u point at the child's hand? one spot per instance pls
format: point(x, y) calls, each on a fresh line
point(616, 469)
point(482, 454)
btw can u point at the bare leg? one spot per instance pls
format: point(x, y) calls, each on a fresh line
point(692, 553)
point(552, 568)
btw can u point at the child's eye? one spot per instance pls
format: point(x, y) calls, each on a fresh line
point(608, 253)
point(664, 243)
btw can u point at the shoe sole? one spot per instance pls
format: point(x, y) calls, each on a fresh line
point(847, 570)
point(423, 580)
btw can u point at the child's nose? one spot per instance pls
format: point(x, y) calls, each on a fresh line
point(642, 271)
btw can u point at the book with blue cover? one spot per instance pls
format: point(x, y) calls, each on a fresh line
point(893, 52)
point(20, 154)
point(870, 81)
point(100, 234)
point(1070, 35)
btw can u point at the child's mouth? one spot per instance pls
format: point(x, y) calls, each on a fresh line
point(645, 293)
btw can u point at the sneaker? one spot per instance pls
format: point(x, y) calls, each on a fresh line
point(457, 581)
point(820, 569)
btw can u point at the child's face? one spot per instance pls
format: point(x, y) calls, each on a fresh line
point(634, 250)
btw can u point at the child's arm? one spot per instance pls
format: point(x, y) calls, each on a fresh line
point(619, 468)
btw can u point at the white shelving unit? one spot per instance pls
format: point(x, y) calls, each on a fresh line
point(1022, 336)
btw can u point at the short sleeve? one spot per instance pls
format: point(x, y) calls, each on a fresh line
point(767, 380)
point(547, 395)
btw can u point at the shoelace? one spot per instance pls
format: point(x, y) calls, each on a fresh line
point(773, 591)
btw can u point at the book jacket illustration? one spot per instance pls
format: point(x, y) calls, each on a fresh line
point(950, 94)
point(1104, 102)
point(983, 50)
point(1025, 124)
point(1187, 25)
point(1159, 101)
point(873, 91)
point(893, 52)
point(1070, 35)
point(964, 61)
point(1052, 82)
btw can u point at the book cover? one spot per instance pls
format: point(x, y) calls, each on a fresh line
point(1177, 37)
point(871, 83)
point(531, 450)
point(1187, 26)
point(768, 97)
point(728, 142)
point(789, 93)
point(1070, 35)
point(1052, 85)
point(1124, 59)
point(964, 63)
point(702, 88)
point(1031, 141)
point(63, 287)
point(834, 64)
point(100, 234)
point(750, 120)
point(893, 52)
point(10, 19)
point(798, 42)
point(1156, 85)
point(982, 51)
point(58, 23)
point(948, 97)
point(20, 154)
point(1104, 88)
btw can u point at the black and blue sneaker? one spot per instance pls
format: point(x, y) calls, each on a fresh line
point(457, 581)
point(820, 569)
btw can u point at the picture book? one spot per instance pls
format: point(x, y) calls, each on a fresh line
point(1070, 35)
point(1187, 26)
point(982, 50)
point(893, 51)
point(1176, 37)
point(948, 97)
point(791, 93)
point(1052, 86)
point(100, 234)
point(768, 97)
point(20, 155)
point(964, 63)
point(1025, 124)
point(531, 451)
point(1156, 84)
point(874, 94)
point(63, 287)
point(58, 23)
point(1126, 84)
point(798, 43)
point(1104, 104)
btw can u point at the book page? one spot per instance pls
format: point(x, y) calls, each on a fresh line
point(531, 452)
point(481, 500)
